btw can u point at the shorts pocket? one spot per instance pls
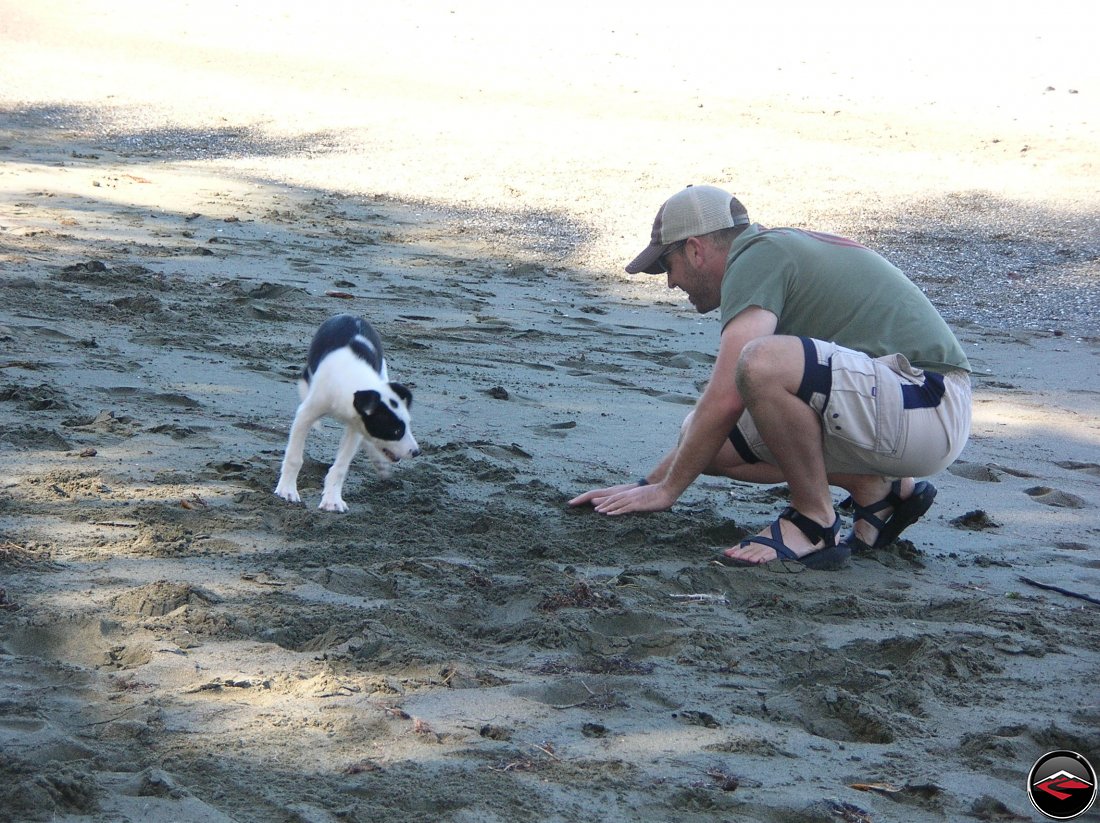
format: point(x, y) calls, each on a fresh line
point(865, 406)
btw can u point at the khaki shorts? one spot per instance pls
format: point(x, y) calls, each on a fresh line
point(879, 416)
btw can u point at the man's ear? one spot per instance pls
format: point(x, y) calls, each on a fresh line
point(366, 402)
point(704, 254)
point(695, 250)
point(403, 392)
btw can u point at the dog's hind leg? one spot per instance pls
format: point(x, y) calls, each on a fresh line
point(332, 499)
point(295, 451)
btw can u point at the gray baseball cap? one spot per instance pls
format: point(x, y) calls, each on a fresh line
point(695, 211)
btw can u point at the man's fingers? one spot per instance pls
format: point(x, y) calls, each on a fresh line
point(623, 499)
point(596, 496)
point(638, 499)
point(608, 507)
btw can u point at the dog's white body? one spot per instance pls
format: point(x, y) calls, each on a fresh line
point(346, 379)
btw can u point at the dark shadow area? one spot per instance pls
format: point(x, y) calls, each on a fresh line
point(981, 258)
point(91, 136)
point(130, 133)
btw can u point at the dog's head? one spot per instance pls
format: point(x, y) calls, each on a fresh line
point(386, 418)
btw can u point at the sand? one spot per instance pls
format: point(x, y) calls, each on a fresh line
point(183, 200)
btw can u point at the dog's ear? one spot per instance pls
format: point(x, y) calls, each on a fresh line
point(366, 402)
point(403, 392)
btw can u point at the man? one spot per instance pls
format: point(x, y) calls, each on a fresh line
point(833, 369)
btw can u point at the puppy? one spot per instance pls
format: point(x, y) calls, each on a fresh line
point(345, 378)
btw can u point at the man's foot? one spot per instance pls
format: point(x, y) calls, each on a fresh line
point(880, 523)
point(806, 542)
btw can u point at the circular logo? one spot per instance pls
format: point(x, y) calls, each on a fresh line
point(1062, 785)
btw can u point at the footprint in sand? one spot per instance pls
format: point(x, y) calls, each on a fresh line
point(973, 471)
point(988, 473)
point(1011, 470)
point(1078, 466)
point(554, 429)
point(667, 397)
point(677, 360)
point(1054, 497)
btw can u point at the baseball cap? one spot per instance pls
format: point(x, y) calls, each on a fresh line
point(695, 211)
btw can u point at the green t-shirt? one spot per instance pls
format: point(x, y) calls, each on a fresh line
point(831, 288)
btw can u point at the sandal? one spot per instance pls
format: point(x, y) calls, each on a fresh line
point(906, 513)
point(829, 557)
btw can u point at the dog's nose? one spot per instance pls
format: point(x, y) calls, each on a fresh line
point(414, 453)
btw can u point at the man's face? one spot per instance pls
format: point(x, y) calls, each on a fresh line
point(686, 270)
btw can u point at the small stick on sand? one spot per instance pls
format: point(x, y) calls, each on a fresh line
point(1060, 590)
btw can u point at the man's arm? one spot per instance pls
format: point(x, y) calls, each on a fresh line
point(716, 413)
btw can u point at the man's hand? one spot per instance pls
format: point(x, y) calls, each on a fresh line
point(627, 498)
point(597, 496)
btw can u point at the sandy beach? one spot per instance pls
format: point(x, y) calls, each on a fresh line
point(186, 193)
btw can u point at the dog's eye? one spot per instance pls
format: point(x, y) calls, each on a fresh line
point(393, 404)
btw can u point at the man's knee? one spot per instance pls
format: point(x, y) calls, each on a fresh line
point(686, 423)
point(770, 361)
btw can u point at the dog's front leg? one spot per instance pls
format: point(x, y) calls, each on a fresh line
point(381, 463)
point(295, 450)
point(332, 499)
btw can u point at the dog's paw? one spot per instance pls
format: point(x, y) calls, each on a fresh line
point(289, 494)
point(336, 504)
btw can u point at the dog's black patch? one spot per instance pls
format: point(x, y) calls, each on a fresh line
point(344, 330)
point(378, 418)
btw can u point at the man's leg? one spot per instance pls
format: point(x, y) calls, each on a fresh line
point(729, 463)
point(779, 385)
point(866, 489)
point(769, 376)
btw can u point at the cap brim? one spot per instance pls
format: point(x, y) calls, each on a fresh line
point(649, 261)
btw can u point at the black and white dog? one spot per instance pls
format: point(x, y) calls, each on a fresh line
point(345, 378)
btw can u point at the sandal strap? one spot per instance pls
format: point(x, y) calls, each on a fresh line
point(895, 494)
point(813, 530)
point(775, 543)
point(869, 513)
